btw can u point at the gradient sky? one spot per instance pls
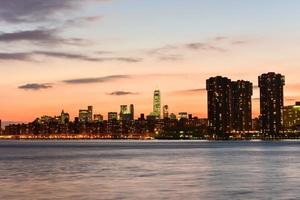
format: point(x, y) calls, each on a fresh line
point(73, 53)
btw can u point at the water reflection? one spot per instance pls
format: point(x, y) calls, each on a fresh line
point(149, 170)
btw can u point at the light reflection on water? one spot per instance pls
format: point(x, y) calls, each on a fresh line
point(149, 170)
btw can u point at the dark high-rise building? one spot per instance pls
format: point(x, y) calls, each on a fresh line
point(219, 106)
point(112, 116)
point(166, 111)
point(271, 103)
point(131, 111)
point(142, 116)
point(90, 113)
point(241, 106)
point(64, 117)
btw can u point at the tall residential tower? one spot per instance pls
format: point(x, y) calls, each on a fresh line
point(241, 106)
point(229, 106)
point(219, 106)
point(271, 103)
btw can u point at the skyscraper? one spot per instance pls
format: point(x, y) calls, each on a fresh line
point(131, 111)
point(86, 115)
point(219, 105)
point(83, 115)
point(157, 104)
point(166, 112)
point(90, 113)
point(241, 105)
point(112, 116)
point(125, 113)
point(271, 103)
point(64, 117)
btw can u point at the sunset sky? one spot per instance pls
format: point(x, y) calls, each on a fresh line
point(68, 54)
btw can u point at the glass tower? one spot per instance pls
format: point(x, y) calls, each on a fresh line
point(156, 104)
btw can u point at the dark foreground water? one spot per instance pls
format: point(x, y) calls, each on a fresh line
point(149, 170)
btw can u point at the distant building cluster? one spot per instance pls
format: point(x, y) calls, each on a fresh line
point(229, 117)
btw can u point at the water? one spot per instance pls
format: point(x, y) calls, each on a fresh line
point(149, 170)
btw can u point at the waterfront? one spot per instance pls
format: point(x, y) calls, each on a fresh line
point(149, 169)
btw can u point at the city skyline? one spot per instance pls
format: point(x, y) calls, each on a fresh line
point(111, 53)
point(232, 96)
point(229, 117)
point(239, 90)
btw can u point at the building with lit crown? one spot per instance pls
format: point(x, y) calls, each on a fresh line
point(156, 104)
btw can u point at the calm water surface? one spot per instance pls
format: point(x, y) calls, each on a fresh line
point(149, 170)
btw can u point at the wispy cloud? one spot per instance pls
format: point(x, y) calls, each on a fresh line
point(104, 79)
point(85, 57)
point(15, 56)
point(82, 20)
point(220, 44)
point(239, 42)
point(32, 11)
point(31, 56)
point(35, 86)
point(31, 35)
point(204, 47)
point(67, 55)
point(171, 57)
point(45, 36)
point(122, 93)
point(96, 79)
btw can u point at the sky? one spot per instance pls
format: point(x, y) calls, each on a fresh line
point(69, 54)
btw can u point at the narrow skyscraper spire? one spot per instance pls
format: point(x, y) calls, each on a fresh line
point(157, 104)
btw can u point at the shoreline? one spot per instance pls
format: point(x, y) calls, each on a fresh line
point(43, 138)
